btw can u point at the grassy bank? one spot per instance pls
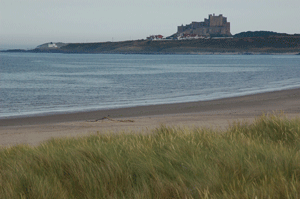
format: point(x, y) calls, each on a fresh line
point(259, 160)
point(272, 44)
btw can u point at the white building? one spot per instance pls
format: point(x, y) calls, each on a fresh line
point(52, 45)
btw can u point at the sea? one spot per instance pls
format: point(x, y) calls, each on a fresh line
point(50, 83)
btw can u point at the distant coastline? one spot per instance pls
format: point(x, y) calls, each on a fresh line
point(259, 42)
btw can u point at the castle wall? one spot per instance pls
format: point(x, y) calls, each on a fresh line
point(180, 29)
point(201, 31)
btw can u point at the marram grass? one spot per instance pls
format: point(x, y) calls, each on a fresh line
point(259, 160)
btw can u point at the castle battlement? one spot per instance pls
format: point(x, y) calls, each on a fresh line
point(213, 26)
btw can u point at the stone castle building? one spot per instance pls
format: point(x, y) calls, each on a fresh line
point(213, 26)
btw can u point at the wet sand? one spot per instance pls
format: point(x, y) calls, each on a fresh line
point(213, 114)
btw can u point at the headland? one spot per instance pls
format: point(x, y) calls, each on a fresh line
point(277, 44)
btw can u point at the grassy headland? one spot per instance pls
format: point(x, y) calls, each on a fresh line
point(259, 160)
point(270, 44)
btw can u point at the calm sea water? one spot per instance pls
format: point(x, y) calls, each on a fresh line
point(50, 83)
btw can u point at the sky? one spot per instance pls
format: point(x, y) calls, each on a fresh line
point(28, 23)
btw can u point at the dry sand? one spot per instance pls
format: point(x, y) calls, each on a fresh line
point(214, 114)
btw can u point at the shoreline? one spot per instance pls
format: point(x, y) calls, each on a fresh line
point(165, 53)
point(216, 114)
point(139, 111)
point(92, 110)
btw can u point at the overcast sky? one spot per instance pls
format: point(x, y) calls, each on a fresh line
point(28, 23)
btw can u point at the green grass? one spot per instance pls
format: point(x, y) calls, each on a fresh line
point(259, 160)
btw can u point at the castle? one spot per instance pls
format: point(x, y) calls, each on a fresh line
point(214, 26)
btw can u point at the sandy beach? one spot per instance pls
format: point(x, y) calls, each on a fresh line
point(217, 114)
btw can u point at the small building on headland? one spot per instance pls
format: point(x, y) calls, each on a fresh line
point(155, 37)
point(214, 26)
point(52, 45)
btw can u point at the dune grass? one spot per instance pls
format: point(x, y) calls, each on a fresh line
point(258, 160)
